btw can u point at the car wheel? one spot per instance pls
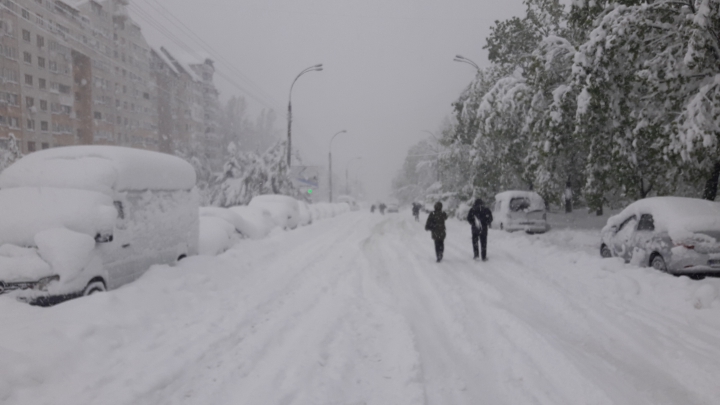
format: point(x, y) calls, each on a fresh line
point(605, 251)
point(658, 263)
point(94, 286)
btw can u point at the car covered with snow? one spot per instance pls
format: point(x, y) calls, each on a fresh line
point(350, 201)
point(672, 234)
point(284, 209)
point(81, 219)
point(517, 210)
point(393, 207)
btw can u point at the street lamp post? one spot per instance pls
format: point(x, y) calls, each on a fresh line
point(347, 169)
point(314, 68)
point(460, 58)
point(437, 152)
point(330, 162)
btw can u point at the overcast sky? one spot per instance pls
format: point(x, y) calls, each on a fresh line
point(388, 71)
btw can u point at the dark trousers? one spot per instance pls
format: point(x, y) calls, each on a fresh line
point(439, 248)
point(483, 243)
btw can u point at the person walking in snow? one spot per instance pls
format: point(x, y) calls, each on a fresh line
point(416, 211)
point(480, 219)
point(436, 225)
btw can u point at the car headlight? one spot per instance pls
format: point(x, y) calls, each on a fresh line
point(43, 282)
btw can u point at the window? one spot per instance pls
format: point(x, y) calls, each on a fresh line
point(41, 62)
point(25, 14)
point(27, 57)
point(67, 109)
point(31, 124)
point(53, 66)
point(40, 41)
point(26, 35)
point(647, 223)
point(45, 145)
point(28, 80)
point(628, 223)
point(119, 120)
point(44, 126)
point(516, 204)
point(41, 83)
point(65, 89)
point(31, 146)
point(13, 122)
point(43, 105)
point(29, 102)
point(97, 115)
point(146, 96)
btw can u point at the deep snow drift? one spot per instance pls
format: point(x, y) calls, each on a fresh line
point(354, 310)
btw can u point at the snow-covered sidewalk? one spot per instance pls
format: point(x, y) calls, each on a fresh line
point(354, 310)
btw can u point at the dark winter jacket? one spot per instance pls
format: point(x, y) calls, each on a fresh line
point(481, 215)
point(416, 209)
point(436, 224)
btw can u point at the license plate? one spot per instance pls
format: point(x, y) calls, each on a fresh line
point(714, 263)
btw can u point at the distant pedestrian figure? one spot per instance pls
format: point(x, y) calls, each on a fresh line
point(436, 225)
point(372, 208)
point(416, 211)
point(568, 195)
point(480, 219)
point(382, 208)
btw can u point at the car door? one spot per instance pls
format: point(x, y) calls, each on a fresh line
point(622, 239)
point(644, 235)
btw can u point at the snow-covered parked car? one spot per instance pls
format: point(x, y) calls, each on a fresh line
point(257, 222)
point(284, 209)
point(671, 234)
point(305, 213)
point(350, 200)
point(219, 229)
point(81, 219)
point(520, 211)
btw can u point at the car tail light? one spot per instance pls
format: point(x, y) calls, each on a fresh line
point(686, 245)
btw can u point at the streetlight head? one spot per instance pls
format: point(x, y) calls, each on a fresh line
point(459, 56)
point(318, 69)
point(319, 65)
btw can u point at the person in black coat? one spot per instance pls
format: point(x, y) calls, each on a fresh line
point(436, 225)
point(416, 211)
point(480, 219)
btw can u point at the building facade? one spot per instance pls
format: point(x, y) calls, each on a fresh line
point(80, 72)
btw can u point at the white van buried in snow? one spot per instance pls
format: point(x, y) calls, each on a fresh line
point(82, 219)
point(520, 211)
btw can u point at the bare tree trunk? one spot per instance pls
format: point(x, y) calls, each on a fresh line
point(711, 186)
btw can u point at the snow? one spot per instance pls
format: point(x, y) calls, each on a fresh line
point(305, 215)
point(99, 168)
point(21, 264)
point(216, 235)
point(257, 222)
point(284, 209)
point(66, 251)
point(28, 210)
point(354, 310)
point(680, 217)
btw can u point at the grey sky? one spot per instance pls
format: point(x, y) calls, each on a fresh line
point(388, 67)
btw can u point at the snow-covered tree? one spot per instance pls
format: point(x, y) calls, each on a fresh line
point(247, 174)
point(9, 152)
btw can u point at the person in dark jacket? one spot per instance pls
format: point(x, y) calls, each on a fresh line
point(416, 211)
point(436, 225)
point(480, 219)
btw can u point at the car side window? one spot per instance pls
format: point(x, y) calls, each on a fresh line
point(630, 220)
point(647, 223)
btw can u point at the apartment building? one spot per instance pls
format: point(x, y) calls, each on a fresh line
point(81, 72)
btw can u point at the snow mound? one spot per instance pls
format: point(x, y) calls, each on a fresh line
point(704, 296)
point(21, 264)
point(216, 235)
point(284, 209)
point(233, 218)
point(257, 222)
point(100, 168)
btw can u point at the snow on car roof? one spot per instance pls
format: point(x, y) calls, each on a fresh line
point(676, 215)
point(99, 168)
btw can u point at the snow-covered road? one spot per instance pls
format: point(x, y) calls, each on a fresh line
point(354, 310)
